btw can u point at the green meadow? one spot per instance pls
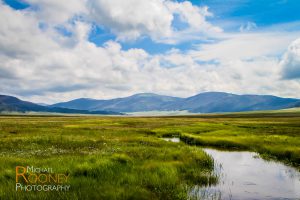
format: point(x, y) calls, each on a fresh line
point(126, 157)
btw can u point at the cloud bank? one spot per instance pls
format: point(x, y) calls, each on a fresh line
point(46, 54)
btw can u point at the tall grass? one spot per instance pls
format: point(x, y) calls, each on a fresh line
point(107, 158)
point(125, 158)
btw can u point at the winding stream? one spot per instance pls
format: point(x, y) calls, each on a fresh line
point(244, 175)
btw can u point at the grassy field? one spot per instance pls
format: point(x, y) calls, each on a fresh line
point(125, 157)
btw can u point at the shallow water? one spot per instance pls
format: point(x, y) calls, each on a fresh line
point(244, 175)
point(174, 139)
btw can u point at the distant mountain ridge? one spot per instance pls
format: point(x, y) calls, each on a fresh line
point(134, 103)
point(208, 102)
point(13, 104)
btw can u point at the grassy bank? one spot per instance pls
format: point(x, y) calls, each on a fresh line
point(125, 157)
point(274, 134)
point(274, 137)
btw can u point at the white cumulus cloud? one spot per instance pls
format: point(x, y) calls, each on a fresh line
point(132, 19)
point(291, 61)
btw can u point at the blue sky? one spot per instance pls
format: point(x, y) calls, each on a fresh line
point(263, 13)
point(105, 49)
point(229, 15)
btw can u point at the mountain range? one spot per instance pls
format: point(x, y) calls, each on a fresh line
point(13, 104)
point(208, 102)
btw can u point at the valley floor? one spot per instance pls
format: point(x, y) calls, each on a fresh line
point(126, 158)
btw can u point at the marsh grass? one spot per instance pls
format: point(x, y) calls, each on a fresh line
point(107, 158)
point(125, 157)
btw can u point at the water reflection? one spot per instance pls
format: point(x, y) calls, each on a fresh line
point(244, 175)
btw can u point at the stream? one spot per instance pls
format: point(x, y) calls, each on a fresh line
point(245, 175)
